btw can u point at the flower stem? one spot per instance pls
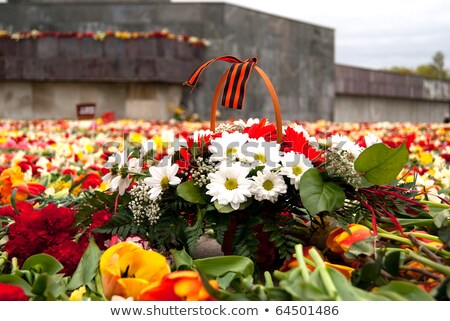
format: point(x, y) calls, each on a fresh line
point(425, 236)
point(436, 266)
point(3, 260)
point(268, 279)
point(301, 262)
point(326, 278)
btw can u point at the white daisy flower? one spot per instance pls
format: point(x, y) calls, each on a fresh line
point(268, 185)
point(294, 166)
point(228, 146)
point(230, 185)
point(120, 166)
point(259, 152)
point(371, 139)
point(161, 178)
point(344, 143)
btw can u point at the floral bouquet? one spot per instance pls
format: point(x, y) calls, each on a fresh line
point(296, 216)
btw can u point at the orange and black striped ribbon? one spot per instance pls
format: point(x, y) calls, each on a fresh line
point(234, 91)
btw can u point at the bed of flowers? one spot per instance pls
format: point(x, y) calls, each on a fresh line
point(91, 210)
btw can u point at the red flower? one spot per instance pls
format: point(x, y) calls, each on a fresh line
point(99, 219)
point(268, 132)
point(10, 292)
point(40, 231)
point(178, 286)
point(298, 143)
point(92, 180)
point(68, 253)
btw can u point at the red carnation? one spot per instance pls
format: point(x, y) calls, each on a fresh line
point(10, 292)
point(68, 253)
point(43, 231)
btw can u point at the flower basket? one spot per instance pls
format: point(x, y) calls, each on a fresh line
point(258, 188)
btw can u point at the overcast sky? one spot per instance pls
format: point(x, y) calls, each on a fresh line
point(372, 34)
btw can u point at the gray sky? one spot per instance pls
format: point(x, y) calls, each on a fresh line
point(373, 34)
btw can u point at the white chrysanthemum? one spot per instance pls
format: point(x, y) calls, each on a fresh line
point(250, 122)
point(344, 143)
point(268, 185)
point(122, 180)
point(228, 146)
point(162, 177)
point(230, 185)
point(371, 139)
point(120, 166)
point(294, 166)
point(260, 152)
point(199, 134)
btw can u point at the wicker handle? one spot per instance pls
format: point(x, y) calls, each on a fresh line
point(273, 94)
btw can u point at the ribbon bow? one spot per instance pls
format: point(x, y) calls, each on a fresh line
point(238, 74)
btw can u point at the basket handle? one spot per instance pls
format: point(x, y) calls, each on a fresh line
point(273, 94)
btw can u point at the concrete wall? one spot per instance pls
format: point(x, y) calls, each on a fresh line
point(370, 109)
point(373, 95)
point(298, 57)
point(56, 100)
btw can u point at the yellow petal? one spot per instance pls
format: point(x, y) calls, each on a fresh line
point(133, 286)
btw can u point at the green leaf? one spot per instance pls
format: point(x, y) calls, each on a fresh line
point(40, 284)
point(392, 262)
point(13, 200)
point(87, 266)
point(347, 291)
point(441, 218)
point(224, 281)
point(405, 290)
point(42, 263)
point(191, 193)
point(318, 195)
point(223, 208)
point(183, 261)
point(381, 164)
point(15, 280)
point(221, 265)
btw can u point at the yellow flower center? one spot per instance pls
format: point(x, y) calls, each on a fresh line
point(165, 182)
point(297, 170)
point(260, 157)
point(231, 151)
point(268, 185)
point(231, 184)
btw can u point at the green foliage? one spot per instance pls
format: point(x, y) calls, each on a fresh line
point(191, 193)
point(121, 224)
point(39, 278)
point(381, 164)
point(87, 267)
point(435, 69)
point(403, 291)
point(318, 195)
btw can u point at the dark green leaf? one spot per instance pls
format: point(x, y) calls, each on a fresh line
point(405, 290)
point(87, 266)
point(191, 193)
point(381, 164)
point(318, 195)
point(392, 262)
point(42, 263)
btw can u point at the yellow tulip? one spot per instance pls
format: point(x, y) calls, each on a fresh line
point(127, 269)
